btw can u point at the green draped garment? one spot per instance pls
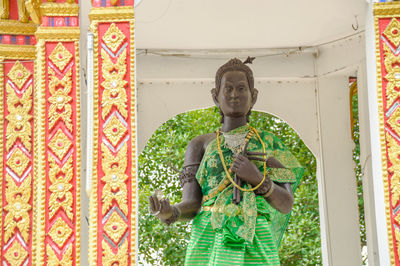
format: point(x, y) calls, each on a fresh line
point(249, 233)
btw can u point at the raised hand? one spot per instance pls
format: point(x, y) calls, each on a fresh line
point(160, 206)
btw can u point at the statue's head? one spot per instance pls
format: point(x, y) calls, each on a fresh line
point(234, 91)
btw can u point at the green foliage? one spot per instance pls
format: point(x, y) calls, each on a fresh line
point(159, 166)
point(358, 171)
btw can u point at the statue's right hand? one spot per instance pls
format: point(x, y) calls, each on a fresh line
point(160, 207)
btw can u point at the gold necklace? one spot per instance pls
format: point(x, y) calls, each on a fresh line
point(228, 171)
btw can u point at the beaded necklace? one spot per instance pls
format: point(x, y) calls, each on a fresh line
point(228, 172)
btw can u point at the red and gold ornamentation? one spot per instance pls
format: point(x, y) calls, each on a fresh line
point(113, 194)
point(387, 36)
point(17, 163)
point(58, 145)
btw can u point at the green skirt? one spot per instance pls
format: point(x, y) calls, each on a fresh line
point(206, 245)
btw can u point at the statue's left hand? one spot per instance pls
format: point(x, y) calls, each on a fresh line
point(246, 170)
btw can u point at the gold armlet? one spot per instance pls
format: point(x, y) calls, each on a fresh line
point(266, 195)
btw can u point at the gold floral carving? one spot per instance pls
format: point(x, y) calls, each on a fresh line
point(16, 254)
point(60, 187)
point(110, 259)
point(394, 121)
point(17, 208)
point(112, 97)
point(392, 32)
point(19, 125)
point(113, 37)
point(19, 74)
point(115, 227)
point(115, 130)
point(57, 137)
point(60, 99)
point(114, 93)
point(388, 91)
point(394, 157)
point(114, 168)
point(59, 9)
point(53, 260)
point(60, 144)
point(60, 232)
point(60, 56)
point(393, 75)
point(18, 161)
point(397, 234)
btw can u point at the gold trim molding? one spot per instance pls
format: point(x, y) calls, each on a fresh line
point(57, 33)
point(34, 12)
point(17, 28)
point(59, 9)
point(111, 13)
point(387, 9)
point(17, 51)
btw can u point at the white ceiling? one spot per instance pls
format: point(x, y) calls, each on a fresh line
point(244, 24)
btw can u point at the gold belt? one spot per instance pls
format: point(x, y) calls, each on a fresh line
point(219, 189)
point(221, 209)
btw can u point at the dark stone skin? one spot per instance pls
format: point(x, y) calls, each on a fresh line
point(234, 100)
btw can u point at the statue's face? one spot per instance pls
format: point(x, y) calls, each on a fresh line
point(234, 97)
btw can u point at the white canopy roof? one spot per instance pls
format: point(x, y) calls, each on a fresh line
point(239, 24)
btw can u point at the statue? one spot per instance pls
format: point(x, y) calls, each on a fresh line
point(236, 182)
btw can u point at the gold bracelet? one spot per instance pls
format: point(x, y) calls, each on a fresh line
point(266, 195)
